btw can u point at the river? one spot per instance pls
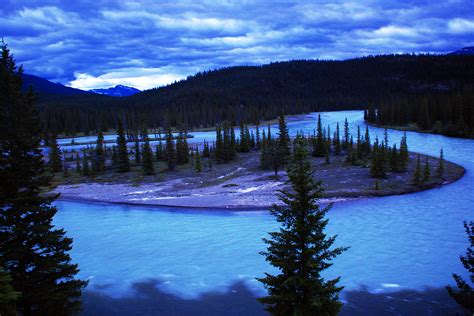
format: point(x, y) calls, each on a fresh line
point(403, 249)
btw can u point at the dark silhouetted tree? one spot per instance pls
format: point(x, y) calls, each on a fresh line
point(123, 162)
point(300, 249)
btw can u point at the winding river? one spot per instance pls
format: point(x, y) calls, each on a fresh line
point(173, 261)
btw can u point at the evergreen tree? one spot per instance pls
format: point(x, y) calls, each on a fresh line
point(394, 159)
point(346, 135)
point(33, 252)
point(367, 148)
point(219, 147)
point(426, 171)
point(205, 152)
point(464, 295)
point(440, 169)
point(283, 140)
point(123, 162)
point(403, 155)
point(148, 166)
point(264, 152)
point(300, 249)
point(114, 156)
point(378, 165)
point(99, 156)
point(198, 165)
point(319, 147)
point(244, 141)
point(55, 163)
point(257, 137)
point(138, 155)
point(170, 151)
point(416, 178)
point(159, 151)
point(337, 141)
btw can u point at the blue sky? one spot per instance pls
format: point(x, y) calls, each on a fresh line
point(98, 43)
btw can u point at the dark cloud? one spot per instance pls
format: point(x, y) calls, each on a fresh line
point(91, 44)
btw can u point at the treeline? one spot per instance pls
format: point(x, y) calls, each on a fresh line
point(448, 113)
point(255, 93)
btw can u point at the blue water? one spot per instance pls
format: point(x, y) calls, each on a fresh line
point(399, 242)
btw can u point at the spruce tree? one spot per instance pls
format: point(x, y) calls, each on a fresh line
point(440, 169)
point(417, 177)
point(148, 166)
point(138, 155)
point(283, 140)
point(426, 171)
point(219, 147)
point(159, 151)
point(394, 159)
point(123, 162)
point(403, 155)
point(170, 151)
point(33, 252)
point(464, 295)
point(337, 141)
point(300, 249)
point(55, 163)
point(198, 165)
point(346, 135)
point(85, 166)
point(99, 155)
point(319, 148)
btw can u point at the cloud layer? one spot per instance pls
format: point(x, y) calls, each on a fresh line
point(94, 44)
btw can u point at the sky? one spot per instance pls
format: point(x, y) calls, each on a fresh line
point(91, 44)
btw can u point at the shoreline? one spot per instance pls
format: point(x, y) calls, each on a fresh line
point(262, 201)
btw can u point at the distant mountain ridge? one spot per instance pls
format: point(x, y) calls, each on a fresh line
point(117, 91)
point(464, 51)
point(43, 86)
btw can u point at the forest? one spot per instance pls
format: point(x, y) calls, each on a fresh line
point(434, 91)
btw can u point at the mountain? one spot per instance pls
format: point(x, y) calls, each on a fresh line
point(464, 51)
point(44, 87)
point(117, 91)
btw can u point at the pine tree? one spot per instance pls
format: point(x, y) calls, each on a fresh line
point(337, 141)
point(394, 159)
point(99, 155)
point(123, 162)
point(198, 165)
point(440, 169)
point(346, 135)
point(55, 163)
point(426, 171)
point(257, 137)
point(403, 155)
point(464, 296)
point(205, 152)
point(138, 155)
point(367, 148)
point(219, 148)
point(159, 151)
point(283, 140)
point(170, 151)
point(148, 166)
point(300, 249)
point(33, 252)
point(319, 148)
point(114, 156)
point(416, 178)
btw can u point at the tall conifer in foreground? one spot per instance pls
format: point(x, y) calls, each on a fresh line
point(170, 152)
point(34, 253)
point(123, 162)
point(300, 249)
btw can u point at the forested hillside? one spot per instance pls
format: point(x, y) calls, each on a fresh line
point(253, 93)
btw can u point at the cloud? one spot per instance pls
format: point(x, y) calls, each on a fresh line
point(98, 43)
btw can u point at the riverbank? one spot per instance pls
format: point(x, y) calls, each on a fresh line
point(242, 185)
